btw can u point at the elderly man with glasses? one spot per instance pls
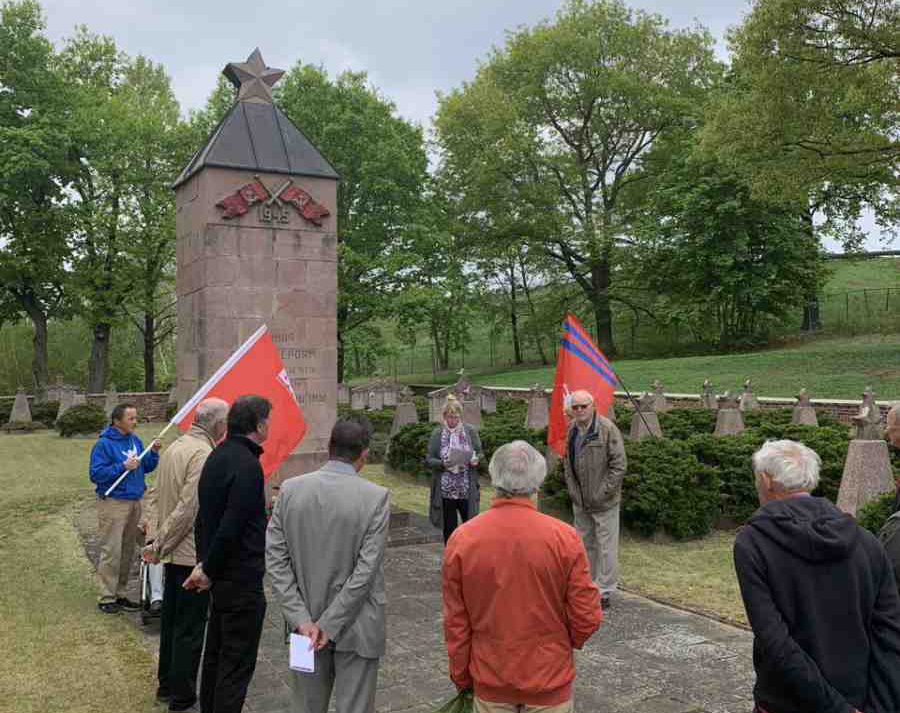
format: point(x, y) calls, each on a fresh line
point(820, 595)
point(594, 467)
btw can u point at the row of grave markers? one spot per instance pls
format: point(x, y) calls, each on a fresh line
point(68, 396)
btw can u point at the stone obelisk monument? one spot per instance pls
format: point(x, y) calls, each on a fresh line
point(257, 244)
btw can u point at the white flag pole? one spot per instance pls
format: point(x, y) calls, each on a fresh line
point(201, 393)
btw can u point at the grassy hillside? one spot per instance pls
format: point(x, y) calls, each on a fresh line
point(828, 369)
point(862, 274)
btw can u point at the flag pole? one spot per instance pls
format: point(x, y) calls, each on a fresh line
point(141, 457)
point(632, 399)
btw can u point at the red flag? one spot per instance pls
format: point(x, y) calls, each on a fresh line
point(238, 203)
point(580, 366)
point(307, 207)
point(256, 368)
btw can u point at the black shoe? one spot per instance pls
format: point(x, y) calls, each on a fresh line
point(605, 602)
point(177, 706)
point(162, 696)
point(156, 609)
point(127, 604)
point(109, 607)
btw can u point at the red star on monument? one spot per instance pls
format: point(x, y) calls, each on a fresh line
point(253, 79)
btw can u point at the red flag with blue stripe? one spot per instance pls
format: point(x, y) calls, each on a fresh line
point(580, 366)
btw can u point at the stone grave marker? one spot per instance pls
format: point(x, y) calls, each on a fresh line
point(472, 413)
point(644, 421)
point(111, 400)
point(343, 394)
point(749, 401)
point(66, 400)
point(803, 410)
point(360, 399)
point(538, 415)
point(54, 391)
point(660, 402)
point(376, 400)
point(728, 418)
point(708, 395)
point(868, 420)
point(462, 389)
point(20, 410)
point(79, 398)
point(389, 398)
point(488, 401)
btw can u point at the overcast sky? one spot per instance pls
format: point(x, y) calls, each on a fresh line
point(410, 48)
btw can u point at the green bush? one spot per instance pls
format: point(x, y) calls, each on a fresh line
point(5, 410)
point(408, 448)
point(667, 488)
point(171, 410)
point(875, 513)
point(381, 420)
point(683, 422)
point(81, 419)
point(45, 413)
point(730, 457)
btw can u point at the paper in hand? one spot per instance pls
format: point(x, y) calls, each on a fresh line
point(459, 456)
point(302, 657)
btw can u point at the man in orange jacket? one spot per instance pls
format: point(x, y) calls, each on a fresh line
point(518, 596)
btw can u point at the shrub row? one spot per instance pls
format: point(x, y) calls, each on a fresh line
point(83, 419)
point(681, 484)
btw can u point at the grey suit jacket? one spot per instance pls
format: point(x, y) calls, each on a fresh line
point(325, 555)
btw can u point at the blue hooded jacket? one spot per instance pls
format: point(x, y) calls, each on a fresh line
point(107, 458)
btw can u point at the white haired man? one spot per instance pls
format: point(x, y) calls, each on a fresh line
point(171, 530)
point(518, 596)
point(594, 467)
point(819, 593)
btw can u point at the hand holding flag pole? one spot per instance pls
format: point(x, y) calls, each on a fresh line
point(255, 368)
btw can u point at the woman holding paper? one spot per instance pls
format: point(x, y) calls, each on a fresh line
point(454, 452)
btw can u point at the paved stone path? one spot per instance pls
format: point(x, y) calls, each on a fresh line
point(645, 658)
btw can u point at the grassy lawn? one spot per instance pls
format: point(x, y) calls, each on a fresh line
point(697, 575)
point(862, 274)
point(829, 369)
point(62, 654)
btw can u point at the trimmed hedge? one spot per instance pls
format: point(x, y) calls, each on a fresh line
point(81, 419)
point(45, 413)
point(874, 514)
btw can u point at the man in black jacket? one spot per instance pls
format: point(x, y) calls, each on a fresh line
point(230, 532)
point(819, 593)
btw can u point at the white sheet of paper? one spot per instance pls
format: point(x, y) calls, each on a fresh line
point(302, 659)
point(459, 456)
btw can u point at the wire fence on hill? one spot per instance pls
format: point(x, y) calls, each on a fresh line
point(851, 313)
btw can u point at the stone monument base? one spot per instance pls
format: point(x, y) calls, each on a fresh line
point(640, 429)
point(728, 422)
point(867, 475)
point(805, 415)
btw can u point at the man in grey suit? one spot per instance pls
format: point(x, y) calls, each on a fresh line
point(325, 555)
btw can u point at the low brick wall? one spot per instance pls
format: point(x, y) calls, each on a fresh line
point(151, 405)
point(842, 409)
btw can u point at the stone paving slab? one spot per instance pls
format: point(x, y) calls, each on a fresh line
point(645, 658)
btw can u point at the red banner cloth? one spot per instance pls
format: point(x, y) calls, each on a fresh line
point(580, 366)
point(256, 368)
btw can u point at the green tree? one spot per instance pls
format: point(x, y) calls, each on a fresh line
point(561, 118)
point(813, 102)
point(35, 168)
point(382, 163)
point(124, 120)
point(723, 263)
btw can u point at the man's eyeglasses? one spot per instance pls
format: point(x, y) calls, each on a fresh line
point(579, 407)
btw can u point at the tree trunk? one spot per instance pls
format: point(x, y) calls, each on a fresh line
point(600, 278)
point(340, 357)
point(39, 369)
point(98, 364)
point(514, 318)
point(534, 331)
point(149, 352)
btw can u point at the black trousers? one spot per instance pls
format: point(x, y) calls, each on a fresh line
point(451, 507)
point(236, 614)
point(180, 636)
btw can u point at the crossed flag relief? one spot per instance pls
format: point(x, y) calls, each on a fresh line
point(239, 202)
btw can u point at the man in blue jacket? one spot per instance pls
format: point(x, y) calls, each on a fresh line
point(118, 451)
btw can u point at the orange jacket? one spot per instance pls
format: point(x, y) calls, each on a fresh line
point(518, 597)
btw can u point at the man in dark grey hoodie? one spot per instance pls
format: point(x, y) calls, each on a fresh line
point(819, 593)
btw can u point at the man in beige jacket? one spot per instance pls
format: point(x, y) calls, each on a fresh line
point(594, 467)
point(172, 532)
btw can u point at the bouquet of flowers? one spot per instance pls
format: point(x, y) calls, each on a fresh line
point(462, 702)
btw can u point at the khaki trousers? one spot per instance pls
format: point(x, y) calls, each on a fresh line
point(483, 706)
point(118, 530)
point(600, 533)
